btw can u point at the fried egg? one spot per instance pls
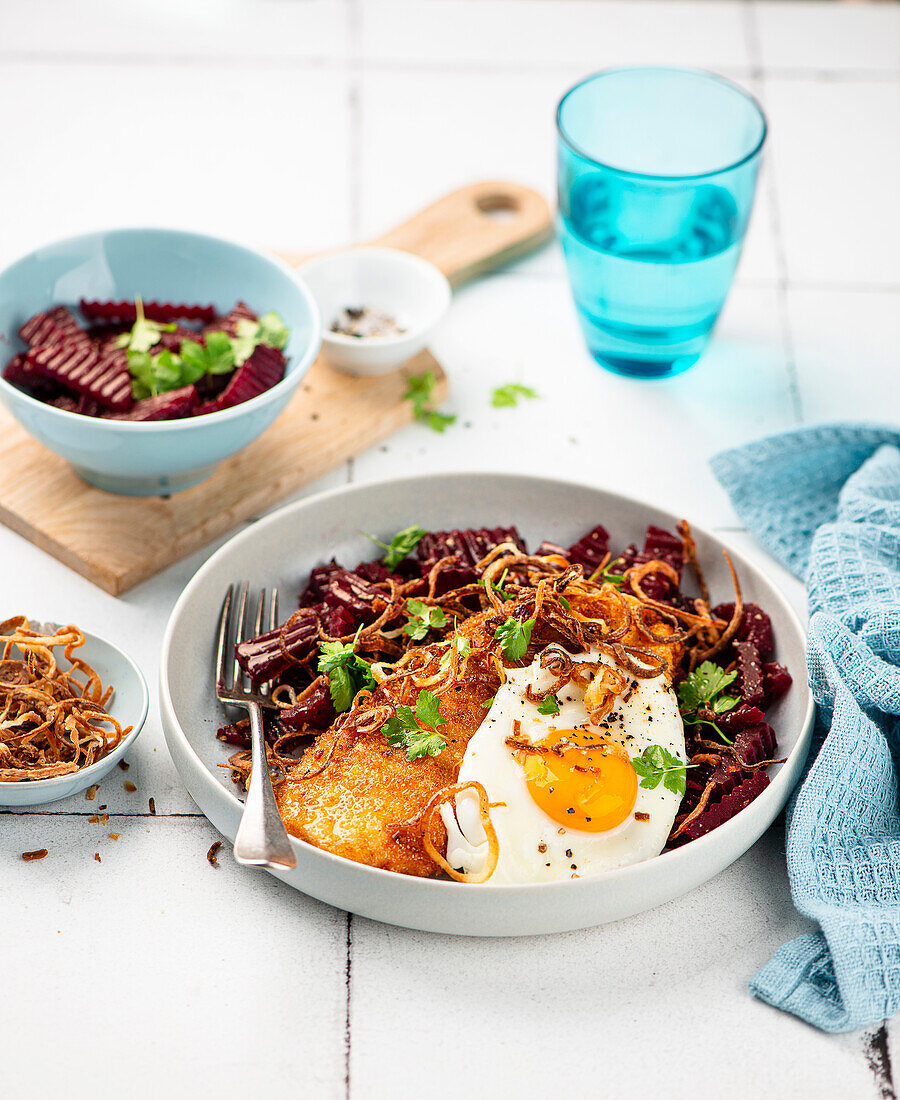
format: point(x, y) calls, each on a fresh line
point(566, 800)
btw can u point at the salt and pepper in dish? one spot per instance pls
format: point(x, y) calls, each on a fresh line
point(379, 306)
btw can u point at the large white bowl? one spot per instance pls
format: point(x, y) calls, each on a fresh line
point(281, 550)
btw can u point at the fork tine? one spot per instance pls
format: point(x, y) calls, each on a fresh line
point(273, 610)
point(224, 627)
point(263, 689)
point(240, 633)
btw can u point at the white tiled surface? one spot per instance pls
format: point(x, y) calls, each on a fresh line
point(310, 122)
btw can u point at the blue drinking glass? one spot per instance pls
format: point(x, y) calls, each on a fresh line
point(657, 173)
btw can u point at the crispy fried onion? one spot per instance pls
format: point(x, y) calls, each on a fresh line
point(420, 826)
point(602, 692)
point(53, 720)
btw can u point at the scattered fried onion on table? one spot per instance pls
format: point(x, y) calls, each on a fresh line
point(53, 720)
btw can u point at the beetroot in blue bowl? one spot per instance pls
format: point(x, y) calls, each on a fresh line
point(141, 394)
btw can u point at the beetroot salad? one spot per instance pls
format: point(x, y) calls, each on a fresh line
point(140, 361)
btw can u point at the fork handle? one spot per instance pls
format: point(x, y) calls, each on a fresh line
point(262, 839)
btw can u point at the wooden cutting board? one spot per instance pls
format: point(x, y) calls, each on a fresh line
point(118, 541)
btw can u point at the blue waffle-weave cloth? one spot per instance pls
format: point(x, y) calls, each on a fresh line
point(826, 502)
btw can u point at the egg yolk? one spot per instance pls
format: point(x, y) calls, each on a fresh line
point(581, 780)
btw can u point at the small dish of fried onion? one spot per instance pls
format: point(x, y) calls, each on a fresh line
point(71, 705)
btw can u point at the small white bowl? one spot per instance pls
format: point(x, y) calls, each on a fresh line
point(130, 705)
point(407, 287)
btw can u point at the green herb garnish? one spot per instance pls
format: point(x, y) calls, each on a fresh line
point(415, 730)
point(347, 672)
point(704, 687)
point(463, 648)
point(422, 618)
point(420, 391)
point(217, 357)
point(550, 705)
point(657, 764)
point(144, 334)
point(403, 543)
point(506, 397)
point(269, 329)
point(488, 703)
point(153, 374)
point(514, 637)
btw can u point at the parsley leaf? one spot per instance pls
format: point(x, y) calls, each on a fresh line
point(416, 730)
point(153, 374)
point(269, 329)
point(565, 603)
point(550, 705)
point(703, 685)
point(463, 648)
point(488, 703)
point(420, 391)
point(217, 357)
point(422, 618)
point(403, 543)
point(507, 397)
point(657, 764)
point(514, 637)
point(347, 672)
point(144, 334)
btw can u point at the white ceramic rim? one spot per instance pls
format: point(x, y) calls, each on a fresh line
point(291, 378)
point(774, 794)
point(46, 787)
point(425, 267)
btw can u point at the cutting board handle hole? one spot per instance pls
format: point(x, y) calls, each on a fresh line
point(498, 207)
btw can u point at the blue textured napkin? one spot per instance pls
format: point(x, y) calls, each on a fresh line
point(826, 502)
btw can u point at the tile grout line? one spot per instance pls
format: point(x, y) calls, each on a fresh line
point(388, 65)
point(348, 1000)
point(354, 26)
point(354, 67)
point(754, 50)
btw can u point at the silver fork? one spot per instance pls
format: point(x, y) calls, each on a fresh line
point(262, 839)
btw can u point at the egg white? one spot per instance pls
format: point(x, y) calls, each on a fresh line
point(533, 846)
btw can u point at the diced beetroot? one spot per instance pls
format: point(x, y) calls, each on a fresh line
point(755, 626)
point(164, 406)
point(739, 718)
point(338, 621)
point(717, 813)
point(662, 545)
point(80, 367)
point(755, 743)
point(315, 711)
point(262, 657)
point(373, 571)
point(749, 683)
point(228, 322)
point(235, 733)
point(259, 373)
point(776, 680)
point(468, 546)
point(548, 548)
point(55, 326)
point(347, 591)
point(655, 585)
point(164, 312)
point(590, 550)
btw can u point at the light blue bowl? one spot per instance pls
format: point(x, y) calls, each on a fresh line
point(155, 458)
